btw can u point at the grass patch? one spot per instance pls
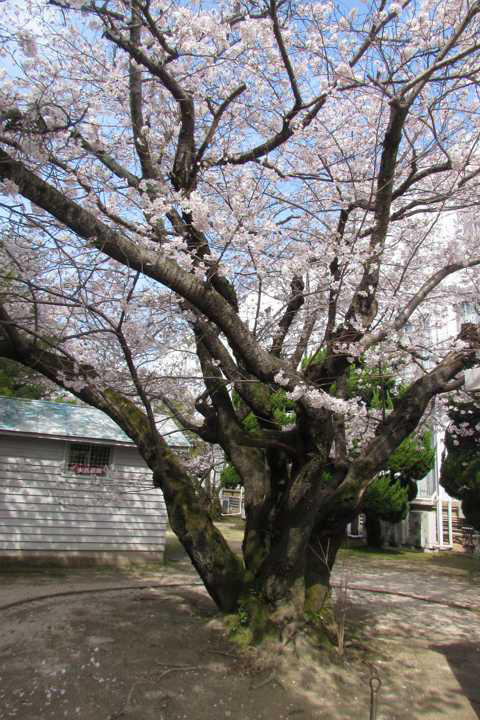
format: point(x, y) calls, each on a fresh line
point(48, 570)
point(174, 550)
point(53, 571)
point(443, 561)
point(364, 552)
point(231, 527)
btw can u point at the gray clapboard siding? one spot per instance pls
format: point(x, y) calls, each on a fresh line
point(99, 515)
point(68, 484)
point(86, 525)
point(9, 461)
point(126, 458)
point(78, 534)
point(92, 547)
point(45, 508)
point(34, 498)
point(21, 447)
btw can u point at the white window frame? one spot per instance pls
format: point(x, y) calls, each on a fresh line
point(89, 467)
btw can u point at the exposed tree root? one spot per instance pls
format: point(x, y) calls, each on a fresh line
point(178, 668)
point(269, 679)
point(153, 681)
point(225, 654)
point(67, 593)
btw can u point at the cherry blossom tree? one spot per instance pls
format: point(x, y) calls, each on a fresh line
point(220, 206)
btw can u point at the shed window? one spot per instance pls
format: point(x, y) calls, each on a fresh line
point(86, 459)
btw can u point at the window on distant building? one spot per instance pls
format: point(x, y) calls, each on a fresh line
point(467, 313)
point(86, 459)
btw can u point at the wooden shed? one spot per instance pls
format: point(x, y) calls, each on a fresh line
point(74, 488)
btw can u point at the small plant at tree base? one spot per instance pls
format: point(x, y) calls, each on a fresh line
point(331, 616)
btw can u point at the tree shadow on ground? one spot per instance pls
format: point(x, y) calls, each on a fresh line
point(163, 654)
point(464, 661)
point(419, 679)
point(159, 654)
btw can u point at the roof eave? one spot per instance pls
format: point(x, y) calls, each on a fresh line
point(67, 438)
point(78, 438)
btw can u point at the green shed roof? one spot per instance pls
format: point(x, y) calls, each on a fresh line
point(41, 417)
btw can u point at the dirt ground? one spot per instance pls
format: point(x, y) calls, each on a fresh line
point(137, 652)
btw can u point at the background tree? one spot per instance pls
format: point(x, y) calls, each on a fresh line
point(21, 382)
point(460, 473)
point(388, 496)
point(196, 197)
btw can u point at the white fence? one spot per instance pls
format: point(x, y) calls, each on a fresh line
point(233, 502)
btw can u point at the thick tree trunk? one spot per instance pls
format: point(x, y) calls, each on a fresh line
point(275, 590)
point(293, 581)
point(288, 551)
point(289, 554)
point(293, 585)
point(220, 569)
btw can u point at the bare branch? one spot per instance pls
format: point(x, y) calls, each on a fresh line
point(363, 305)
point(106, 159)
point(308, 327)
point(155, 265)
point(284, 55)
point(428, 286)
point(184, 163)
point(217, 116)
point(136, 99)
point(294, 304)
point(419, 82)
point(279, 138)
point(374, 31)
